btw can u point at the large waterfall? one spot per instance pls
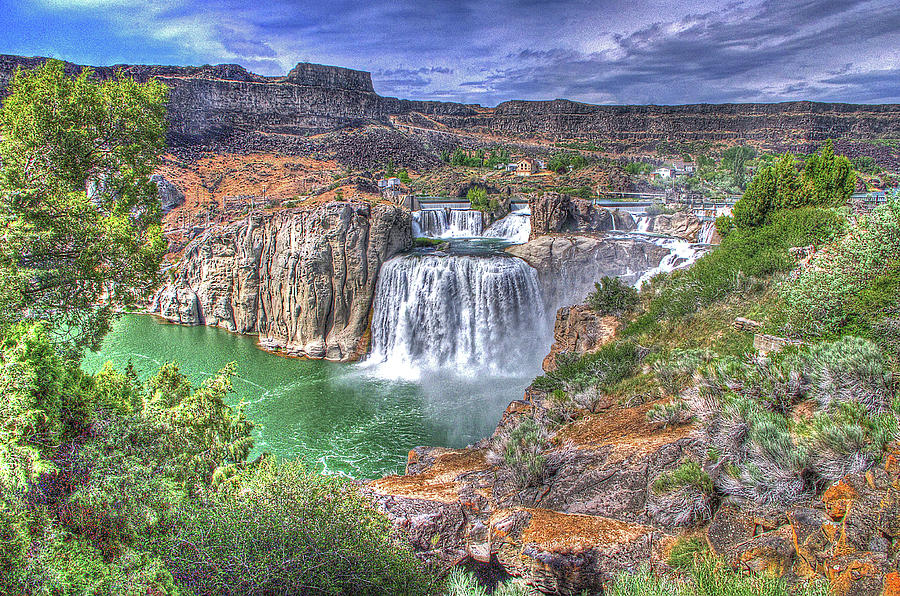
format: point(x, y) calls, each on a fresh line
point(515, 227)
point(465, 223)
point(461, 314)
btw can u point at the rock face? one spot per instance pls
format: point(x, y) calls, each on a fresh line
point(580, 330)
point(169, 195)
point(682, 225)
point(553, 212)
point(586, 523)
point(230, 107)
point(303, 280)
point(568, 266)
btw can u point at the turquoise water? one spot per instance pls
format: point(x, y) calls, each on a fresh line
point(339, 416)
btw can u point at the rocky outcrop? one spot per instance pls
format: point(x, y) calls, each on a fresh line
point(170, 196)
point(579, 329)
point(304, 280)
point(553, 212)
point(568, 266)
point(585, 524)
point(682, 224)
point(848, 537)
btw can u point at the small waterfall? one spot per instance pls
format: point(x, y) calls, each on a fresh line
point(681, 254)
point(643, 224)
point(471, 315)
point(706, 232)
point(430, 223)
point(515, 227)
point(465, 223)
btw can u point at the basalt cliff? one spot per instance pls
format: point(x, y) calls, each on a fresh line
point(225, 107)
point(303, 279)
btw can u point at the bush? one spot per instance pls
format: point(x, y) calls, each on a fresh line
point(609, 365)
point(673, 369)
point(851, 287)
point(464, 583)
point(478, 199)
point(288, 530)
point(521, 451)
point(685, 551)
point(687, 474)
point(612, 297)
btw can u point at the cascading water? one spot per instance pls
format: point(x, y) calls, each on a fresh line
point(430, 223)
point(515, 227)
point(706, 232)
point(681, 254)
point(643, 224)
point(462, 314)
point(465, 223)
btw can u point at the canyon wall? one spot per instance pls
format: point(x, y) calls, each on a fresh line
point(304, 280)
point(238, 110)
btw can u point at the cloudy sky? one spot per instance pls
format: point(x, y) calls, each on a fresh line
point(488, 51)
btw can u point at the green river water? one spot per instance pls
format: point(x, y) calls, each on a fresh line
point(337, 416)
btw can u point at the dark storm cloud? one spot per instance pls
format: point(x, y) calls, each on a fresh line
point(488, 51)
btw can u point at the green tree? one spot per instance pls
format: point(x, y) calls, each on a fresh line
point(735, 160)
point(829, 179)
point(80, 216)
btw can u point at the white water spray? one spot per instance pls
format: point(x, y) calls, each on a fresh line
point(681, 254)
point(461, 314)
point(515, 227)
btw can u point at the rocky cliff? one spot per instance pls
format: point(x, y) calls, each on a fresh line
point(231, 108)
point(568, 265)
point(553, 212)
point(304, 280)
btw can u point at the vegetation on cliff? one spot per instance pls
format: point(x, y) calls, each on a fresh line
point(111, 485)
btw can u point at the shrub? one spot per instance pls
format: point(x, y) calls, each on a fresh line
point(673, 369)
point(849, 288)
point(687, 474)
point(612, 297)
point(670, 414)
point(521, 451)
point(851, 370)
point(464, 583)
point(612, 363)
point(288, 530)
point(478, 199)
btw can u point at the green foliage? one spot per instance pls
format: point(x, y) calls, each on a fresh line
point(675, 368)
point(288, 530)
point(403, 175)
point(685, 551)
point(612, 297)
point(744, 255)
point(579, 146)
point(638, 168)
point(63, 249)
point(735, 159)
point(709, 576)
point(464, 583)
point(479, 200)
point(853, 286)
point(687, 474)
point(825, 180)
point(865, 164)
point(598, 370)
point(522, 451)
point(561, 162)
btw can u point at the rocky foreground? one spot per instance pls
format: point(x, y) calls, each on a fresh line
point(596, 514)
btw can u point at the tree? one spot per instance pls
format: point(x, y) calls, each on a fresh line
point(735, 159)
point(80, 216)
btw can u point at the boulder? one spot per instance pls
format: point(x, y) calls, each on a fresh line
point(682, 224)
point(554, 213)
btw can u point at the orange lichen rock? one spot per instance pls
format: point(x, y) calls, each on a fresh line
point(439, 482)
point(837, 499)
point(891, 584)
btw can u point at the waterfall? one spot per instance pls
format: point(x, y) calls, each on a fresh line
point(469, 315)
point(643, 224)
point(515, 227)
point(465, 223)
point(430, 223)
point(706, 232)
point(681, 254)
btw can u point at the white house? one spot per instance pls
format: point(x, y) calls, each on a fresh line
point(664, 172)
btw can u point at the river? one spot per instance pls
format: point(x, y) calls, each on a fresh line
point(341, 417)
